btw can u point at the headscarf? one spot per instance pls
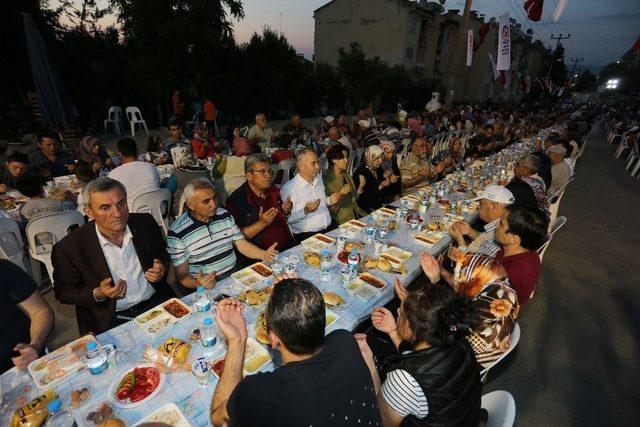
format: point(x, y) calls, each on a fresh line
point(387, 145)
point(85, 150)
point(370, 155)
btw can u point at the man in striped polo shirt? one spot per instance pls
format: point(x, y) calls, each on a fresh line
point(201, 241)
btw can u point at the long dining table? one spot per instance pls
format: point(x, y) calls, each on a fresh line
point(182, 388)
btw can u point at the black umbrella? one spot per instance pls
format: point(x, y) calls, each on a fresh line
point(53, 99)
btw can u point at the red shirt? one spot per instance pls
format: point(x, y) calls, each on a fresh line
point(200, 151)
point(209, 111)
point(523, 271)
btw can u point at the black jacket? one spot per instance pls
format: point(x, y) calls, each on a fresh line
point(450, 379)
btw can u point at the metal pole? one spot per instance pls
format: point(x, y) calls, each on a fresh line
point(454, 67)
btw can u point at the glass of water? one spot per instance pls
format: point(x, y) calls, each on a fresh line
point(277, 266)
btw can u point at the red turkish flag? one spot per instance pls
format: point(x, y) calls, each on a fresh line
point(533, 9)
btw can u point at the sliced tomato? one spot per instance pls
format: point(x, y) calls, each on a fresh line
point(123, 394)
point(138, 394)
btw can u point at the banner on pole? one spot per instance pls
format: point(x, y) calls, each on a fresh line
point(496, 73)
point(504, 43)
point(469, 47)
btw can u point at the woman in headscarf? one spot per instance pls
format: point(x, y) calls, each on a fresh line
point(479, 277)
point(376, 184)
point(203, 146)
point(390, 167)
point(91, 151)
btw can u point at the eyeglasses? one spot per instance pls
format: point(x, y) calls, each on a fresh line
point(262, 171)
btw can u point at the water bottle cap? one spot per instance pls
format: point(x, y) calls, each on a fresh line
point(325, 252)
point(91, 345)
point(200, 288)
point(54, 405)
point(354, 251)
point(208, 321)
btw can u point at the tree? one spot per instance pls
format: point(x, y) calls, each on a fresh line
point(586, 82)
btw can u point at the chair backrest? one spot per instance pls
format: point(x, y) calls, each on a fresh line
point(323, 162)
point(513, 342)
point(501, 408)
point(358, 155)
point(11, 245)
point(558, 224)
point(57, 224)
point(115, 114)
point(157, 203)
point(133, 114)
point(287, 167)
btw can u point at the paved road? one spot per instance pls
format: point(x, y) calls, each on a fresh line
point(577, 363)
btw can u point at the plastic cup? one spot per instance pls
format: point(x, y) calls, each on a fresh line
point(201, 368)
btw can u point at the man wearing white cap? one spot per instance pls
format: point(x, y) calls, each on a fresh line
point(493, 204)
point(560, 170)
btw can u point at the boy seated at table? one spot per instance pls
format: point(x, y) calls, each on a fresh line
point(39, 204)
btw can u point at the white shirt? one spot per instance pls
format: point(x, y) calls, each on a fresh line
point(485, 243)
point(124, 264)
point(301, 193)
point(137, 177)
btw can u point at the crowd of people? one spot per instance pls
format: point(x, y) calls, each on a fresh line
point(449, 324)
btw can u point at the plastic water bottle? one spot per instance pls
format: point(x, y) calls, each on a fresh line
point(95, 359)
point(58, 417)
point(208, 333)
point(325, 265)
point(424, 205)
point(353, 260)
point(369, 232)
point(202, 300)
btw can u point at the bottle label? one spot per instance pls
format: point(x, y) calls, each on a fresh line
point(203, 306)
point(97, 370)
point(209, 341)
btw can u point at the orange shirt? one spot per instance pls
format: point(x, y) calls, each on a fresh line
point(209, 111)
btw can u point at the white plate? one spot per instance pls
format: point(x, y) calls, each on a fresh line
point(111, 393)
point(435, 234)
point(398, 253)
point(330, 318)
point(168, 414)
point(316, 244)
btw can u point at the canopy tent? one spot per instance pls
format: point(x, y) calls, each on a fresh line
point(53, 99)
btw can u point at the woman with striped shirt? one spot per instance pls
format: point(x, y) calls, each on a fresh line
point(437, 382)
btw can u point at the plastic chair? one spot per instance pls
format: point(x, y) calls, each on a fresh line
point(514, 339)
point(501, 408)
point(11, 244)
point(633, 156)
point(355, 161)
point(114, 116)
point(157, 203)
point(135, 117)
point(287, 167)
point(324, 163)
point(181, 203)
point(56, 225)
point(556, 225)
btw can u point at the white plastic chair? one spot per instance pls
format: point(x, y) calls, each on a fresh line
point(556, 225)
point(633, 156)
point(514, 339)
point(181, 204)
point(324, 163)
point(11, 244)
point(157, 203)
point(288, 167)
point(135, 117)
point(501, 408)
point(114, 116)
point(56, 225)
point(356, 160)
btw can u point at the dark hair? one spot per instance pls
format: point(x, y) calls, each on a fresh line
point(296, 314)
point(487, 127)
point(284, 140)
point(127, 147)
point(173, 123)
point(554, 138)
point(153, 143)
point(530, 225)
point(336, 152)
point(84, 172)
point(29, 185)
point(46, 134)
point(288, 128)
point(437, 315)
point(18, 157)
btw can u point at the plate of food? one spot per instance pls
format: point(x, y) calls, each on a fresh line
point(366, 285)
point(353, 226)
point(332, 299)
point(379, 263)
point(429, 238)
point(395, 255)
point(98, 413)
point(260, 328)
point(78, 395)
point(343, 256)
point(256, 357)
point(136, 386)
point(252, 275)
point(162, 316)
point(312, 259)
point(318, 242)
point(168, 414)
point(384, 213)
point(60, 364)
point(8, 203)
point(330, 318)
point(349, 245)
point(255, 297)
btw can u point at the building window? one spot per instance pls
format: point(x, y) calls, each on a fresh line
point(413, 24)
point(408, 56)
point(421, 52)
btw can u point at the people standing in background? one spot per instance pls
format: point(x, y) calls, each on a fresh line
point(178, 107)
point(210, 116)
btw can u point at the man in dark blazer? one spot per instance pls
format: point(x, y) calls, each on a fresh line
point(114, 267)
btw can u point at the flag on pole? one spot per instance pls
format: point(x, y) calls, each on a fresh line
point(469, 47)
point(534, 9)
point(504, 43)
